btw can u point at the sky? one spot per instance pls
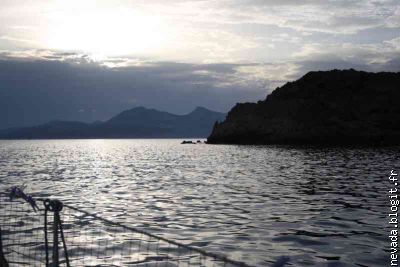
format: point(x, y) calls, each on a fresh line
point(88, 60)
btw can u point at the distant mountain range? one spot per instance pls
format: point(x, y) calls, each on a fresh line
point(137, 122)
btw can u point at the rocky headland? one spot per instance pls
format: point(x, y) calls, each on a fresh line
point(338, 107)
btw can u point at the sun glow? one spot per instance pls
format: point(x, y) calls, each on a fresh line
point(107, 32)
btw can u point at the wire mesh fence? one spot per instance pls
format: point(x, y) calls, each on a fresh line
point(98, 242)
point(33, 238)
point(22, 234)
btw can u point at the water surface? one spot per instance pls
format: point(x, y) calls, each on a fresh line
point(320, 206)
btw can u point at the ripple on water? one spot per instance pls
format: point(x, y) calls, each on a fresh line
point(320, 206)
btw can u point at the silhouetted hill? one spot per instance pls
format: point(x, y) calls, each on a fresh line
point(325, 107)
point(138, 122)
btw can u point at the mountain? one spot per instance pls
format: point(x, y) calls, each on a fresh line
point(138, 122)
point(338, 107)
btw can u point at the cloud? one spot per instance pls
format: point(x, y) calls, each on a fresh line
point(339, 16)
point(21, 40)
point(41, 54)
point(372, 56)
point(41, 85)
point(393, 20)
point(343, 17)
point(203, 31)
point(213, 53)
point(394, 43)
point(38, 90)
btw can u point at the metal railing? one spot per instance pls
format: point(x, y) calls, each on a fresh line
point(43, 232)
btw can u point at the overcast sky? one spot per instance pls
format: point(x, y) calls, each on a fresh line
point(88, 60)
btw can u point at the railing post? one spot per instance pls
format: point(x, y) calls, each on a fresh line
point(3, 261)
point(55, 239)
point(55, 206)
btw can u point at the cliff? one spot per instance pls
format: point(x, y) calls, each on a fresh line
point(338, 107)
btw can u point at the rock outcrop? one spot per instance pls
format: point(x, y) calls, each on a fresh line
point(338, 107)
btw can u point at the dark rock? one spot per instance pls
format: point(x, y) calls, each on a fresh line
point(184, 142)
point(338, 107)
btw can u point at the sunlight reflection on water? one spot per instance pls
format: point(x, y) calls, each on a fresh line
point(320, 206)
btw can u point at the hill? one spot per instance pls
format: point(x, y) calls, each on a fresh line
point(138, 122)
point(338, 107)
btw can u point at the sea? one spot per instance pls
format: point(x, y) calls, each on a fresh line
point(319, 206)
